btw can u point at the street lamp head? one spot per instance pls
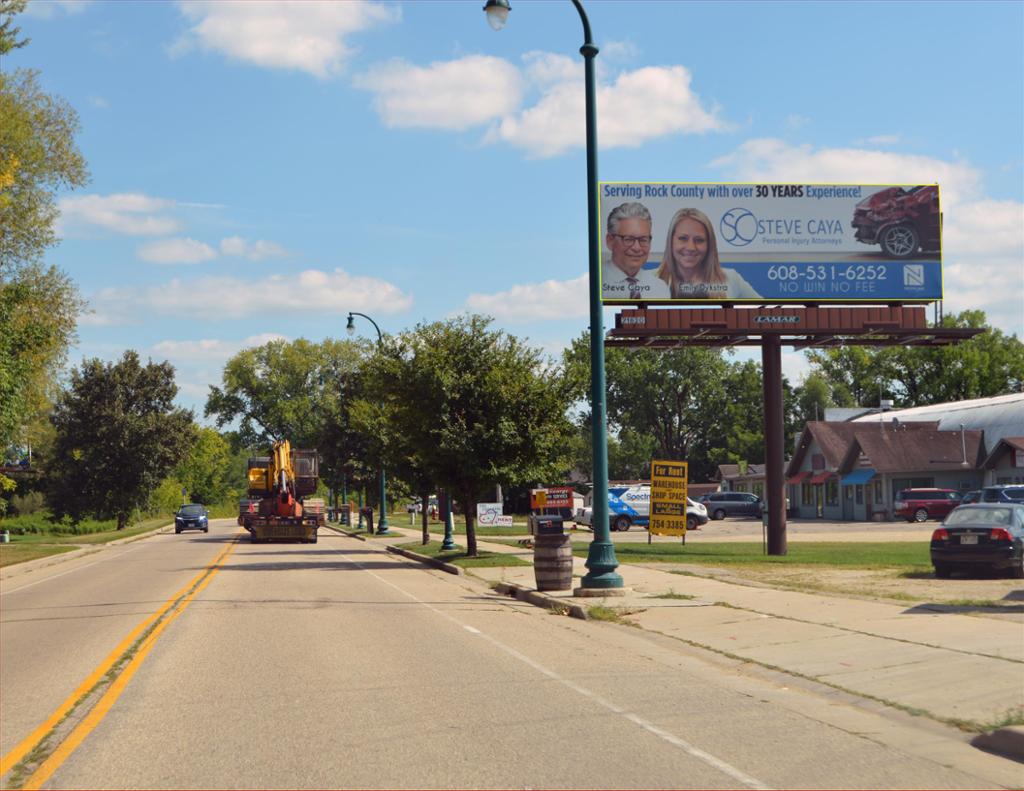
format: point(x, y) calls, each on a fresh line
point(497, 13)
point(351, 326)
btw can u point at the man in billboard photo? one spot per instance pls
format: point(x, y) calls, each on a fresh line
point(628, 236)
point(690, 265)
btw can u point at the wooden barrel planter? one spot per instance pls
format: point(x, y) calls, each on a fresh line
point(552, 562)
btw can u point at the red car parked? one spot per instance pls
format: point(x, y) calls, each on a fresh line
point(902, 221)
point(918, 505)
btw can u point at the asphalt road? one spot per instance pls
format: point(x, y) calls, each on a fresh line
point(336, 665)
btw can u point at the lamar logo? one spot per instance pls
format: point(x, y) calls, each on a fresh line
point(913, 275)
point(776, 319)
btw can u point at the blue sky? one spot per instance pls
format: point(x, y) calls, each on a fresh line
point(260, 169)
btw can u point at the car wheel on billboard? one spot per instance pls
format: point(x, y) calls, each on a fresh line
point(900, 241)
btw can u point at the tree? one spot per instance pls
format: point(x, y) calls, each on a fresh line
point(39, 305)
point(205, 472)
point(988, 364)
point(299, 391)
point(8, 32)
point(475, 407)
point(118, 437)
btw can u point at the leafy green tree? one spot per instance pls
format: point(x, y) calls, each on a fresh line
point(299, 391)
point(988, 364)
point(476, 407)
point(813, 397)
point(8, 31)
point(118, 436)
point(205, 473)
point(39, 304)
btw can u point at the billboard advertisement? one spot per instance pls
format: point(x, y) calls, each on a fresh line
point(756, 243)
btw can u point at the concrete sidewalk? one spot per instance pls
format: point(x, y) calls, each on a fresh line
point(959, 669)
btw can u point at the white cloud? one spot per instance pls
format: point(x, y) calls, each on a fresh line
point(660, 95)
point(99, 102)
point(254, 251)
point(127, 212)
point(300, 35)
point(480, 89)
point(176, 251)
point(552, 299)
point(213, 298)
point(453, 94)
point(985, 227)
point(210, 350)
point(773, 160)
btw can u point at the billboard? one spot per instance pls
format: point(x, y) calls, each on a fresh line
point(757, 243)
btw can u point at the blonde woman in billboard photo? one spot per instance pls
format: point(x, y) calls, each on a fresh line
point(690, 264)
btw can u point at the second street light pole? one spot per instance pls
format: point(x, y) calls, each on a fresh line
point(382, 524)
point(602, 578)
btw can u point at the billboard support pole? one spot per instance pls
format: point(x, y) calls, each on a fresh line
point(774, 443)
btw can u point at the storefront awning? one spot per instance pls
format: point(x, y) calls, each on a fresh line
point(821, 477)
point(799, 477)
point(858, 477)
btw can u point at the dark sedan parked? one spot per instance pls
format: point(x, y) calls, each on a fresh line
point(723, 504)
point(191, 517)
point(980, 535)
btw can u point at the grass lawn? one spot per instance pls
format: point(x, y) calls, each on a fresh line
point(32, 546)
point(517, 529)
point(868, 555)
point(458, 556)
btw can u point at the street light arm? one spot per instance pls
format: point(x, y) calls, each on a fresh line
point(587, 38)
point(380, 335)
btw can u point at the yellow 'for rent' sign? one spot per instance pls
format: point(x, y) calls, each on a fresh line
point(668, 498)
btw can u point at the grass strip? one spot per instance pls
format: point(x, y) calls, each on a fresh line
point(459, 557)
point(866, 555)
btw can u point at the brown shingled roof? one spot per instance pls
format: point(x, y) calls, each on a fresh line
point(900, 448)
point(836, 438)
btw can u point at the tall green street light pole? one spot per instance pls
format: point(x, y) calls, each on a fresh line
point(382, 524)
point(601, 558)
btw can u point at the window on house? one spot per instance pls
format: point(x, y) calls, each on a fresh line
point(859, 495)
point(759, 489)
point(832, 492)
point(806, 494)
point(878, 491)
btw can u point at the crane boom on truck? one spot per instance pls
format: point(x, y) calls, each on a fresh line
point(278, 507)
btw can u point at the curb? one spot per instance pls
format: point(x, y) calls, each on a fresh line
point(329, 526)
point(1007, 742)
point(538, 599)
point(437, 564)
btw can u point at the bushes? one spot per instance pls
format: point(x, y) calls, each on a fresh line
point(27, 504)
point(41, 523)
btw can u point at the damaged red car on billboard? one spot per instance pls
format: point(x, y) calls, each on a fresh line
point(903, 220)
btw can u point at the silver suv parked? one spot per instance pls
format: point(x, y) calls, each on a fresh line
point(723, 504)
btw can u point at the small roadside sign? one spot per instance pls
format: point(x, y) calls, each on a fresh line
point(668, 498)
point(490, 514)
point(538, 499)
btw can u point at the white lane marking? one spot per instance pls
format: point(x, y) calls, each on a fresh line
point(675, 741)
point(69, 571)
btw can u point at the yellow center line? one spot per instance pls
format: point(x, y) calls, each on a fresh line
point(105, 703)
point(29, 743)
